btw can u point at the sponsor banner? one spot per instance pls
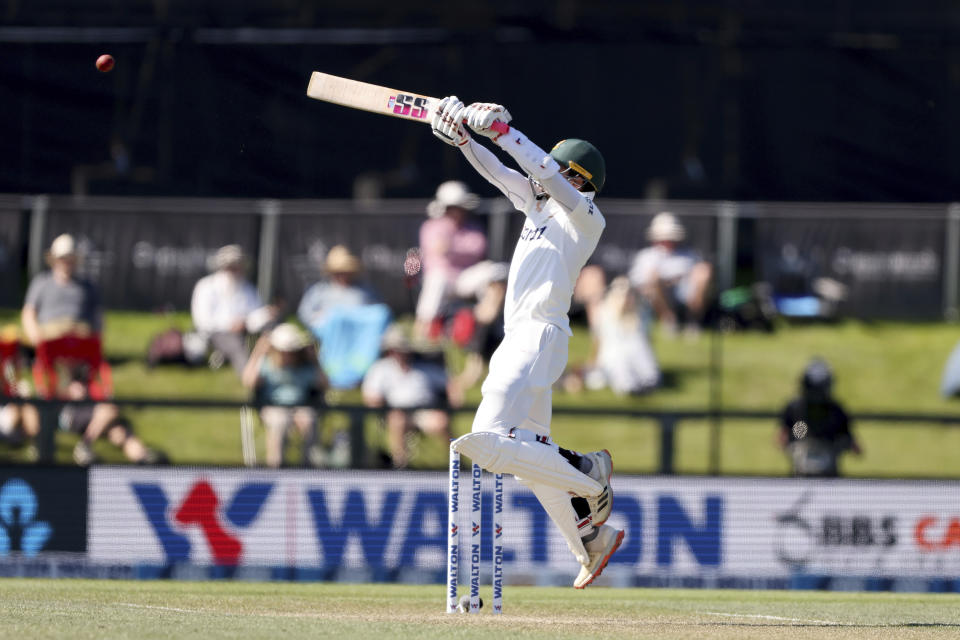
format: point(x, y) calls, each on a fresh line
point(42, 510)
point(891, 262)
point(380, 525)
point(149, 253)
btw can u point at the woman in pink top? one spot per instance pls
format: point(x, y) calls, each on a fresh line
point(448, 245)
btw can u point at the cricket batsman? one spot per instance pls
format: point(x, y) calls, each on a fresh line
point(511, 431)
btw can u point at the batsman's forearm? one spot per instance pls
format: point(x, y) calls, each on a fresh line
point(534, 160)
point(509, 182)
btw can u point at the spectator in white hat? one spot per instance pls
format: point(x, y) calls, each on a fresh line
point(59, 302)
point(449, 244)
point(221, 304)
point(340, 289)
point(672, 279)
point(412, 389)
point(284, 371)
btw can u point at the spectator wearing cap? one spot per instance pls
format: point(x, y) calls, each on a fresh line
point(814, 428)
point(58, 301)
point(412, 389)
point(339, 290)
point(672, 279)
point(449, 244)
point(221, 304)
point(284, 372)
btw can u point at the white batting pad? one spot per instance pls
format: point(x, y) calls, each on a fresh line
point(534, 461)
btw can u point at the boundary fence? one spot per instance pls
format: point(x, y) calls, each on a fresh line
point(357, 414)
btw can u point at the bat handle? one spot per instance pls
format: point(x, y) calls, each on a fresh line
point(500, 127)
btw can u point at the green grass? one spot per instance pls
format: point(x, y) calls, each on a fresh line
point(880, 367)
point(77, 609)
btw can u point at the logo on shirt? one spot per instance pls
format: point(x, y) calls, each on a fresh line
point(532, 233)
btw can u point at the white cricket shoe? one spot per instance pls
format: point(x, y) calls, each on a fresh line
point(599, 551)
point(601, 471)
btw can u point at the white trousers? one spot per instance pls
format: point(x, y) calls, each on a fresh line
point(518, 390)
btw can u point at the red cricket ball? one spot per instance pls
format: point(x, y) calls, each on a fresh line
point(105, 62)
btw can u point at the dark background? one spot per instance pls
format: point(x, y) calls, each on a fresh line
point(814, 100)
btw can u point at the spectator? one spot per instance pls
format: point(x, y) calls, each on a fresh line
point(101, 419)
point(284, 372)
point(674, 281)
point(17, 421)
point(814, 428)
point(449, 243)
point(58, 302)
point(412, 390)
point(346, 318)
point(486, 282)
point(221, 304)
point(341, 290)
point(625, 359)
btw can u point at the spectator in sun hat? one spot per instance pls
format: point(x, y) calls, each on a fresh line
point(672, 279)
point(222, 304)
point(413, 388)
point(284, 371)
point(340, 289)
point(59, 301)
point(449, 244)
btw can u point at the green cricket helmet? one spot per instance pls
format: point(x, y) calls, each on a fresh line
point(582, 157)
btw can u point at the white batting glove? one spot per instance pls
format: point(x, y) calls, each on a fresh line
point(447, 123)
point(480, 115)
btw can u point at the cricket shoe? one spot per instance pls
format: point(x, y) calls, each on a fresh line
point(599, 550)
point(602, 469)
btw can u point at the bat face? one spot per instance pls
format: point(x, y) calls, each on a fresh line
point(370, 97)
point(377, 99)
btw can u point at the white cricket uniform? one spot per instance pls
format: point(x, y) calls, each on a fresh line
point(560, 233)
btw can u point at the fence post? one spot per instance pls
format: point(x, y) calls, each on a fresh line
point(951, 259)
point(726, 245)
point(46, 441)
point(267, 251)
point(38, 226)
point(497, 227)
point(358, 440)
point(667, 426)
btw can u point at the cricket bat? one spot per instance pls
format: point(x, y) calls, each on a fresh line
point(377, 99)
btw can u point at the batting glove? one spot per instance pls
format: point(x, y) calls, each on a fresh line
point(481, 115)
point(447, 123)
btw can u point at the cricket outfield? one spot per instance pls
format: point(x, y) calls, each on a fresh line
point(37, 608)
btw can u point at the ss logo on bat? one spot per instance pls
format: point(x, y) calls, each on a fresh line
point(407, 105)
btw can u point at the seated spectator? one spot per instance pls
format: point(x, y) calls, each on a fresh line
point(101, 419)
point(340, 290)
point(284, 372)
point(412, 390)
point(59, 302)
point(18, 422)
point(625, 359)
point(221, 305)
point(814, 428)
point(449, 243)
point(673, 280)
point(482, 332)
point(346, 317)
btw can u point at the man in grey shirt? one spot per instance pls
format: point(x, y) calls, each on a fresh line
point(58, 302)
